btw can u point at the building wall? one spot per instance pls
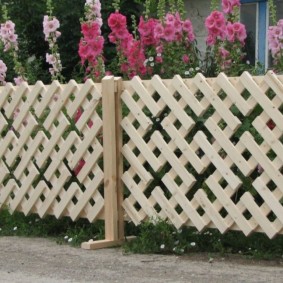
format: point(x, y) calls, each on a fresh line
point(197, 11)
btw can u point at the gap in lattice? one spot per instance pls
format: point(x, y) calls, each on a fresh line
point(247, 215)
point(270, 93)
point(137, 178)
point(223, 212)
point(271, 155)
point(200, 211)
point(271, 185)
point(156, 96)
point(74, 200)
point(136, 151)
point(91, 202)
point(136, 124)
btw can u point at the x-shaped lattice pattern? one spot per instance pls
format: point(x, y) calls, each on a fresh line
point(205, 152)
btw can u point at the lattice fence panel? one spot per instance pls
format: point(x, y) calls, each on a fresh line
point(51, 149)
point(205, 152)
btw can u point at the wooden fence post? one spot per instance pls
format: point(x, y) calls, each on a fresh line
point(113, 165)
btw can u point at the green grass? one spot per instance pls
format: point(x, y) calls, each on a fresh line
point(160, 237)
point(63, 230)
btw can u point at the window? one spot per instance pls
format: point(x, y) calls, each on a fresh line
point(254, 14)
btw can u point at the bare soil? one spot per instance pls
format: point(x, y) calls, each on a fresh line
point(42, 260)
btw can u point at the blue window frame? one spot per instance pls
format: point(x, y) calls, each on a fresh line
point(254, 14)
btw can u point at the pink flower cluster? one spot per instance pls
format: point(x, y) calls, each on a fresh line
point(91, 45)
point(50, 26)
point(3, 70)
point(229, 5)
point(93, 11)
point(219, 28)
point(275, 39)
point(8, 36)
point(154, 35)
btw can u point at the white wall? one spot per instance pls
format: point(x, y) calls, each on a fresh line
point(197, 11)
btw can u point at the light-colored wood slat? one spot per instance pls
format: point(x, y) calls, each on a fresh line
point(6, 142)
point(190, 210)
point(88, 112)
point(87, 141)
point(3, 172)
point(211, 211)
point(170, 212)
point(230, 207)
point(33, 198)
point(217, 161)
point(268, 137)
point(6, 191)
point(262, 99)
point(228, 146)
point(171, 102)
point(185, 148)
point(144, 121)
point(138, 195)
point(3, 123)
point(232, 121)
point(140, 144)
point(188, 95)
point(30, 100)
point(269, 198)
point(264, 222)
point(63, 124)
point(186, 177)
point(87, 195)
point(64, 95)
point(51, 196)
point(248, 140)
point(60, 208)
point(60, 155)
point(133, 214)
point(82, 93)
point(27, 156)
point(26, 184)
point(145, 96)
point(223, 81)
point(136, 164)
point(94, 212)
point(19, 93)
point(6, 91)
point(21, 142)
point(47, 96)
point(276, 85)
point(90, 162)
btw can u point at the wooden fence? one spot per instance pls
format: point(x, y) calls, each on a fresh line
point(203, 152)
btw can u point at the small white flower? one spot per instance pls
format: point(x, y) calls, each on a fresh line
point(177, 242)
point(248, 62)
point(15, 228)
point(174, 249)
point(0, 229)
point(150, 59)
point(179, 231)
point(191, 69)
point(240, 252)
point(70, 240)
point(37, 219)
point(66, 238)
point(162, 246)
point(157, 119)
point(182, 250)
point(197, 69)
point(152, 64)
point(187, 73)
point(145, 62)
point(30, 223)
point(158, 54)
point(193, 244)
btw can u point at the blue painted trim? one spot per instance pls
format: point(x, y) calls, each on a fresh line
point(262, 32)
point(251, 1)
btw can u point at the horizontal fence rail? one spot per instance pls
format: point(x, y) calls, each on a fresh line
point(201, 152)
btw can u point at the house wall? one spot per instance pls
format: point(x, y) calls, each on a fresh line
point(197, 12)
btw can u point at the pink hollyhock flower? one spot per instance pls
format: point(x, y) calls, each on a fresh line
point(224, 53)
point(228, 5)
point(186, 59)
point(3, 67)
point(187, 26)
point(117, 21)
point(169, 33)
point(19, 80)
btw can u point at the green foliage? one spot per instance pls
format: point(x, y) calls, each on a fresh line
point(31, 226)
point(161, 237)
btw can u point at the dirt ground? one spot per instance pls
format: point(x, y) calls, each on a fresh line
point(41, 260)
